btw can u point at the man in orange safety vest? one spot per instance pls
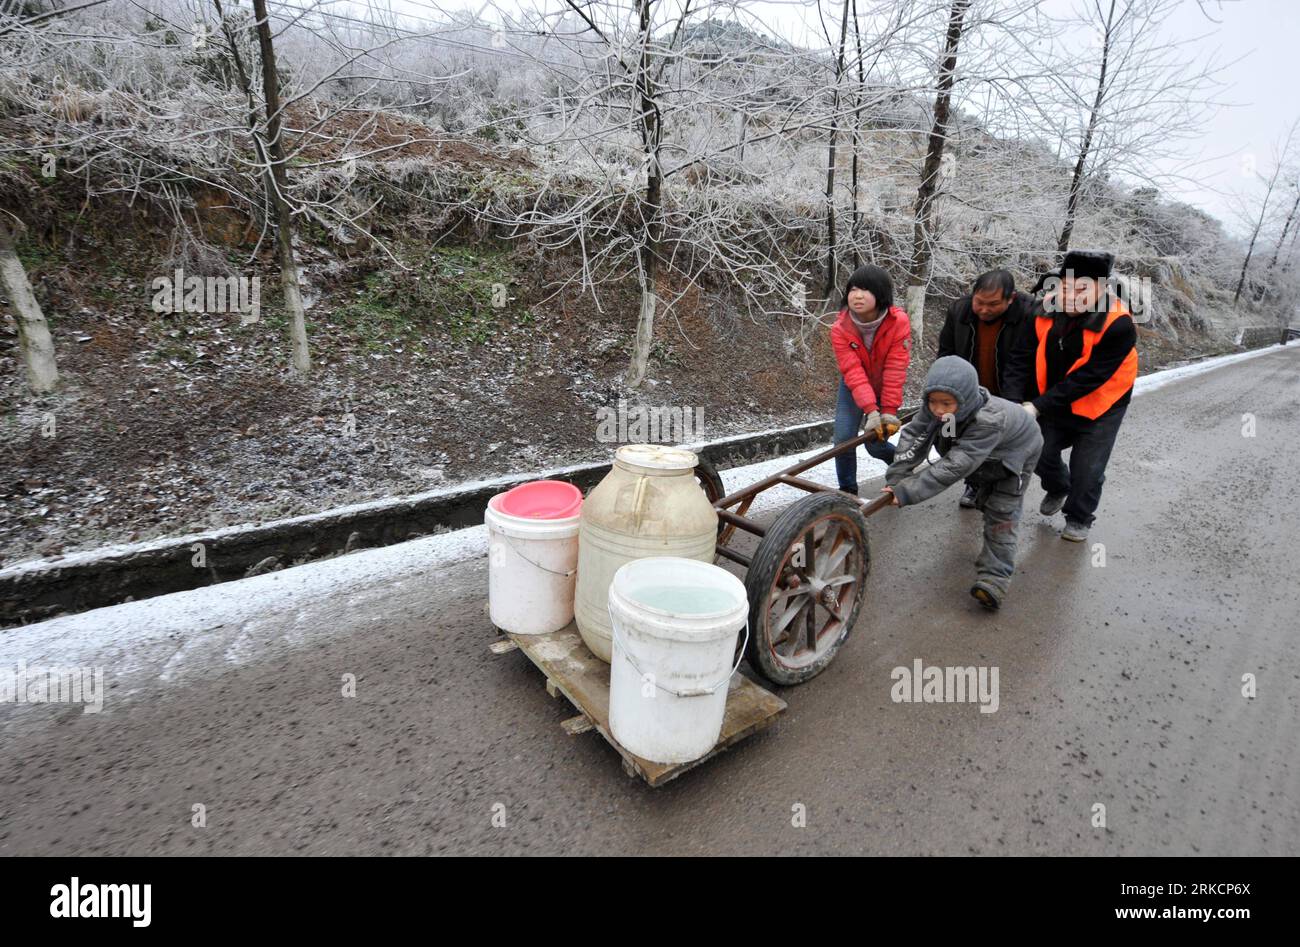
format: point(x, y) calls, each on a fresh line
point(1080, 384)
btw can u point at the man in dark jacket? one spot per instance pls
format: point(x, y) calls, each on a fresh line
point(1085, 363)
point(992, 328)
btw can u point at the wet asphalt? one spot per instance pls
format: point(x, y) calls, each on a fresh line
point(1120, 666)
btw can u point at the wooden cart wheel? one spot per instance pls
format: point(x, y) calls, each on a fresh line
point(706, 475)
point(806, 584)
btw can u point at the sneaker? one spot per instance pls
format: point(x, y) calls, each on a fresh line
point(967, 501)
point(1074, 532)
point(1052, 503)
point(986, 595)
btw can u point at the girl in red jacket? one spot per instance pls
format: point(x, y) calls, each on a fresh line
point(871, 339)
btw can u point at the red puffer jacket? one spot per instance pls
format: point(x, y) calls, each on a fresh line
point(875, 376)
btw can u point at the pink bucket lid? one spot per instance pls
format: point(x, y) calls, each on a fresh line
point(541, 500)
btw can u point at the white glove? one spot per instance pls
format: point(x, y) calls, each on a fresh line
point(1029, 407)
point(872, 423)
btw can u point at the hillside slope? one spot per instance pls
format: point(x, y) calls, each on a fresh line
point(168, 422)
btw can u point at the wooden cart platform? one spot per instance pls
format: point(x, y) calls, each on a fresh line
point(573, 671)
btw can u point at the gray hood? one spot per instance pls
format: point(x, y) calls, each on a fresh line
point(954, 375)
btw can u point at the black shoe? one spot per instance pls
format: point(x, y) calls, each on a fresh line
point(1052, 503)
point(967, 501)
point(986, 595)
point(853, 490)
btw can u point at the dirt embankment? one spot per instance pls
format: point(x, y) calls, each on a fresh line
point(171, 422)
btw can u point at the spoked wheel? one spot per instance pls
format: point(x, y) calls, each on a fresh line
point(806, 585)
point(706, 475)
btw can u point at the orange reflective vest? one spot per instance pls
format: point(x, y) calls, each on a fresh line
point(1096, 403)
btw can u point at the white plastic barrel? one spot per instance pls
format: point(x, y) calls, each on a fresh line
point(532, 570)
point(647, 505)
point(675, 623)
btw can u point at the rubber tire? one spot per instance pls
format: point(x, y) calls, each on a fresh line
point(763, 570)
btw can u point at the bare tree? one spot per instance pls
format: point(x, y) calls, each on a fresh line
point(834, 135)
point(919, 273)
point(230, 30)
point(667, 198)
point(34, 340)
point(1270, 183)
point(650, 125)
point(863, 101)
point(1137, 89)
point(1273, 275)
point(300, 359)
point(1094, 115)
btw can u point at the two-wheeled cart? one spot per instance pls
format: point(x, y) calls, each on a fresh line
point(806, 584)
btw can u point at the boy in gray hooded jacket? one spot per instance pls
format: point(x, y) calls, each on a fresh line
point(990, 441)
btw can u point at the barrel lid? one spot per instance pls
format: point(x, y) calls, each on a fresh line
point(657, 456)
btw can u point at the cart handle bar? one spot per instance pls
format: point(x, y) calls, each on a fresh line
point(833, 450)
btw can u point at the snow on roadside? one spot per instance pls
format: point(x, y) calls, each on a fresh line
point(1161, 378)
point(128, 637)
point(121, 635)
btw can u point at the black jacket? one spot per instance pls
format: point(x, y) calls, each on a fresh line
point(1064, 346)
point(1015, 343)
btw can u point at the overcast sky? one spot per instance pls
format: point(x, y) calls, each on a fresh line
point(1263, 37)
point(1259, 40)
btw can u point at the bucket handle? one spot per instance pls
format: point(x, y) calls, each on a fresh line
point(536, 565)
point(691, 692)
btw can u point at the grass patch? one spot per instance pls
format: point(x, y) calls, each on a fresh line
point(36, 258)
point(461, 293)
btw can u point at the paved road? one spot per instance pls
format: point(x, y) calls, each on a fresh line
point(1119, 684)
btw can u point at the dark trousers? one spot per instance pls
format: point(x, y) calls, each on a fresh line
point(1089, 443)
point(848, 419)
point(1001, 502)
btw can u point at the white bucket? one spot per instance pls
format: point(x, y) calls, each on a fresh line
point(532, 570)
point(675, 626)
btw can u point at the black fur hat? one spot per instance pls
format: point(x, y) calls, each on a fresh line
point(1091, 263)
point(876, 281)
